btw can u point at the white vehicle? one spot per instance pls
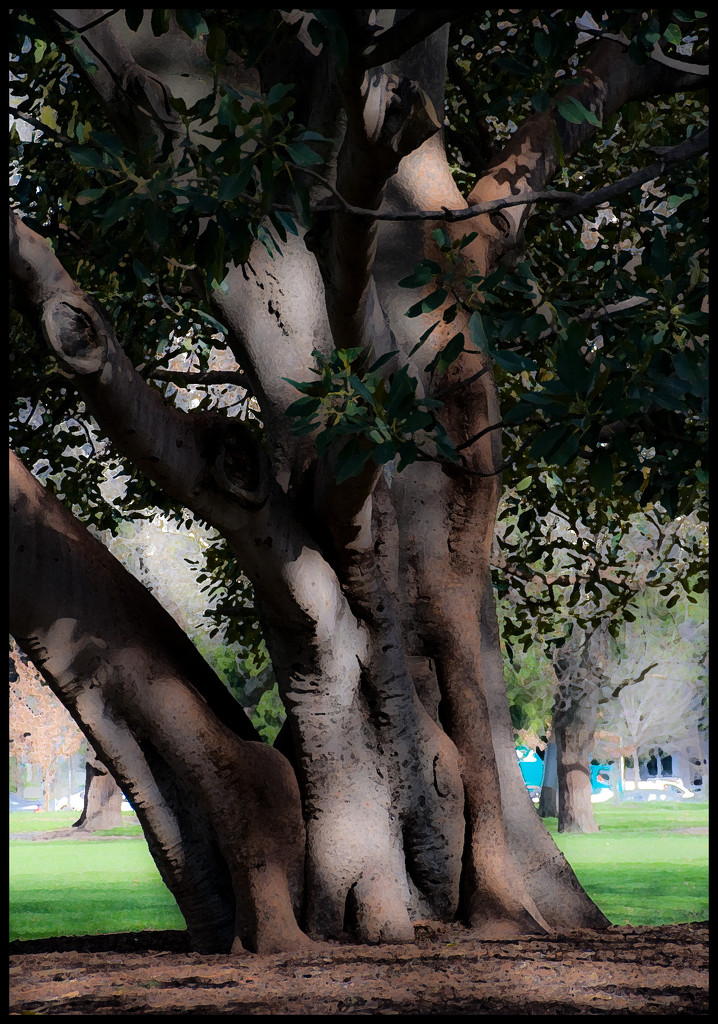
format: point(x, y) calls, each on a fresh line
point(77, 802)
point(657, 789)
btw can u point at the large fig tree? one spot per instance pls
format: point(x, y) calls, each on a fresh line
point(278, 183)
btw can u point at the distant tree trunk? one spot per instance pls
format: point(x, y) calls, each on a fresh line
point(103, 798)
point(636, 770)
point(548, 801)
point(580, 666)
point(574, 729)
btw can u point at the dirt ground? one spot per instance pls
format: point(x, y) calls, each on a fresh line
point(623, 970)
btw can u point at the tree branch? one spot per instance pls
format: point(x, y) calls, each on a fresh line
point(569, 204)
point(657, 54)
point(236, 378)
point(207, 462)
point(607, 80)
point(137, 102)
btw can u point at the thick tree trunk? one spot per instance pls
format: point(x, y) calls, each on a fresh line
point(574, 746)
point(103, 798)
point(221, 813)
point(375, 595)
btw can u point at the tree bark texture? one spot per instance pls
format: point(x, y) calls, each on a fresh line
point(221, 813)
point(375, 595)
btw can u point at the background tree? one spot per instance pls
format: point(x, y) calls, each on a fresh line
point(41, 731)
point(276, 177)
point(667, 652)
point(599, 579)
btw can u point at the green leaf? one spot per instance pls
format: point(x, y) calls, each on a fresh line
point(303, 155)
point(429, 304)
point(133, 17)
point(477, 332)
point(542, 45)
point(277, 93)
point(360, 387)
point(541, 101)
point(513, 362)
point(233, 185)
point(351, 460)
point(141, 272)
point(600, 473)
point(546, 443)
point(191, 22)
point(382, 360)
point(449, 354)
point(304, 406)
point(216, 45)
point(523, 484)
point(160, 22)
point(88, 194)
point(673, 34)
point(423, 273)
point(574, 111)
point(157, 224)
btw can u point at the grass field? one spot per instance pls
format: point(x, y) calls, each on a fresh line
point(640, 869)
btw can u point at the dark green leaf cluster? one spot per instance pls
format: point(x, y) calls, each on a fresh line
point(364, 413)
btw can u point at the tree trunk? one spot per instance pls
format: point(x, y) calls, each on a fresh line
point(548, 801)
point(221, 812)
point(580, 669)
point(103, 798)
point(374, 594)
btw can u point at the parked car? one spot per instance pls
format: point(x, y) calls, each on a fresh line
point(18, 803)
point(657, 789)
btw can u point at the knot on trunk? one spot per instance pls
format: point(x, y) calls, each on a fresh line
point(239, 465)
point(75, 332)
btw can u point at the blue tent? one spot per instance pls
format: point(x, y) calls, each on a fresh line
point(532, 770)
point(531, 766)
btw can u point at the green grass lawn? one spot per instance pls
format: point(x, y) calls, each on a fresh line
point(639, 870)
point(86, 887)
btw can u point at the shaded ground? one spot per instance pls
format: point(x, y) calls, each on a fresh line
point(623, 970)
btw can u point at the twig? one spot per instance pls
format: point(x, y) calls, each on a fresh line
point(233, 377)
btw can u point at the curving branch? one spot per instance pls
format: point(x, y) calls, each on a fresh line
point(685, 66)
point(388, 117)
point(190, 456)
point(137, 102)
point(607, 80)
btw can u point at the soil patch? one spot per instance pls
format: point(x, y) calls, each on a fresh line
point(446, 970)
